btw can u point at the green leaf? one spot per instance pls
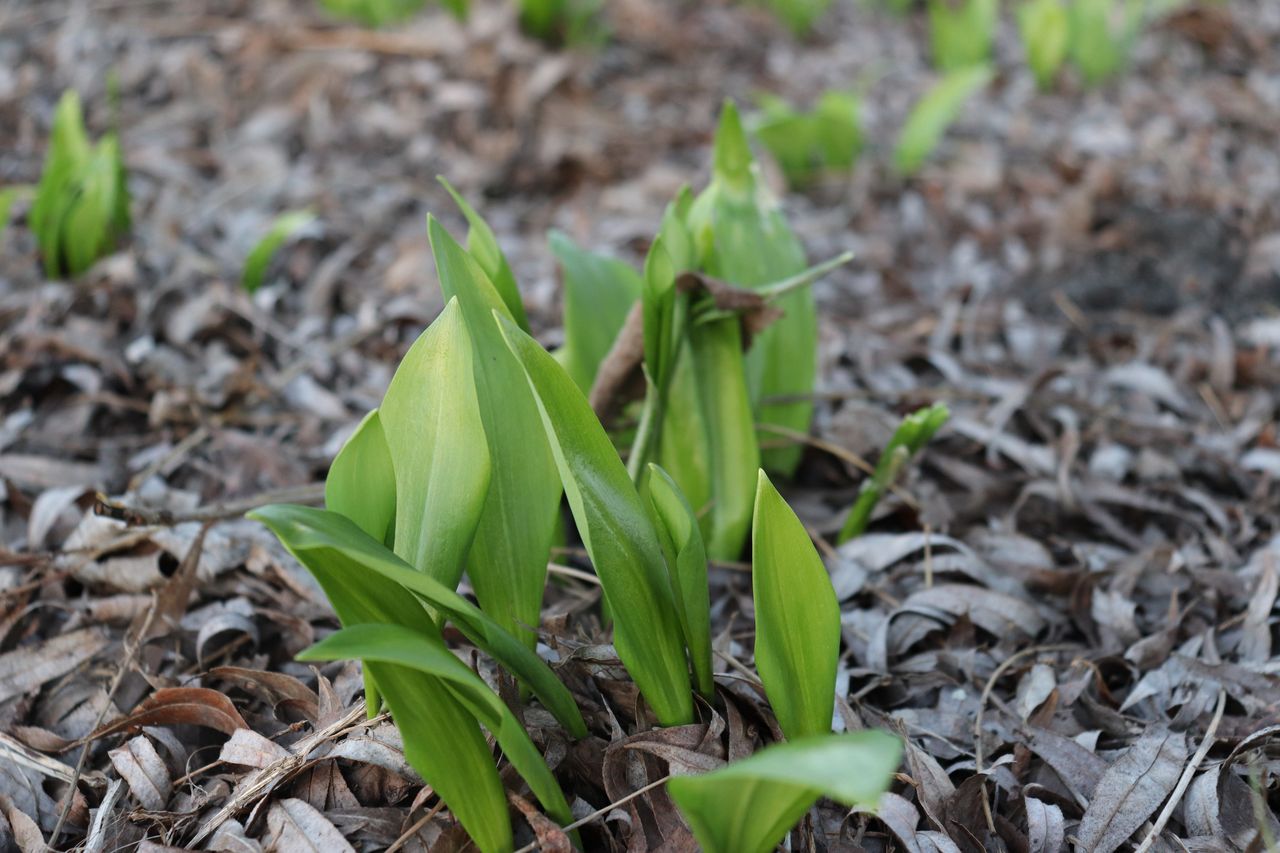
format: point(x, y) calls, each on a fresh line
point(799, 15)
point(284, 227)
point(434, 706)
point(598, 293)
point(431, 419)
point(742, 238)
point(915, 431)
point(405, 648)
point(797, 618)
point(934, 114)
point(733, 456)
point(1102, 35)
point(1046, 37)
point(508, 560)
point(749, 805)
point(482, 243)
point(827, 138)
point(362, 484)
point(377, 13)
point(681, 539)
point(616, 532)
point(343, 556)
point(962, 33)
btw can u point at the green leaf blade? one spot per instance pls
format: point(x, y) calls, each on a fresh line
point(508, 559)
point(797, 618)
point(616, 531)
point(344, 557)
point(482, 243)
point(748, 806)
point(934, 113)
point(283, 228)
point(431, 419)
point(362, 483)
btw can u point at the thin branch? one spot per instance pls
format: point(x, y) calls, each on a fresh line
point(533, 845)
point(135, 516)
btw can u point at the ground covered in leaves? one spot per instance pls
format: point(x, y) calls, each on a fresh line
point(1068, 610)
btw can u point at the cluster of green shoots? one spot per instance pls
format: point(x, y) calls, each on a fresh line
point(572, 22)
point(80, 209)
point(482, 431)
point(1093, 36)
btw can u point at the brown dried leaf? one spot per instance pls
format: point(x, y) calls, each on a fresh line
point(140, 765)
point(24, 669)
point(1132, 789)
point(172, 706)
point(294, 825)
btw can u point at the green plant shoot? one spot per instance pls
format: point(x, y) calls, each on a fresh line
point(805, 145)
point(797, 618)
point(962, 32)
point(616, 531)
point(748, 806)
point(507, 562)
point(911, 436)
point(934, 113)
point(81, 206)
point(1046, 36)
point(283, 228)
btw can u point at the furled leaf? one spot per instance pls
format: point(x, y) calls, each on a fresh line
point(482, 243)
point(742, 238)
point(749, 805)
point(1046, 37)
point(401, 647)
point(616, 531)
point(598, 293)
point(362, 484)
point(934, 114)
point(665, 313)
point(508, 559)
point(806, 144)
point(797, 618)
point(681, 540)
point(1102, 35)
point(284, 227)
point(915, 431)
point(733, 456)
point(431, 419)
point(351, 566)
point(961, 33)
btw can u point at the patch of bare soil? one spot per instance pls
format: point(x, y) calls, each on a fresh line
point(1069, 614)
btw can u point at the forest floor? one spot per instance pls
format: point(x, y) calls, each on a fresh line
point(1069, 612)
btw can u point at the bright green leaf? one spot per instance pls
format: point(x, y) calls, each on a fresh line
point(362, 484)
point(749, 805)
point(402, 647)
point(508, 560)
point(482, 243)
point(598, 293)
point(344, 557)
point(431, 419)
point(934, 114)
point(677, 528)
point(616, 532)
point(284, 227)
point(962, 33)
point(797, 618)
point(1046, 37)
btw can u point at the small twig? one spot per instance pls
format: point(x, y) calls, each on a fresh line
point(577, 574)
point(413, 830)
point(143, 517)
point(841, 453)
point(1189, 771)
point(533, 845)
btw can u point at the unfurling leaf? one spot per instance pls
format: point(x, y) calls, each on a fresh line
point(748, 806)
point(482, 243)
point(431, 420)
point(508, 559)
point(797, 618)
point(616, 532)
point(908, 439)
point(681, 539)
point(1046, 37)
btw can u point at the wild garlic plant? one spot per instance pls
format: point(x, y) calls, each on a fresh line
point(461, 469)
